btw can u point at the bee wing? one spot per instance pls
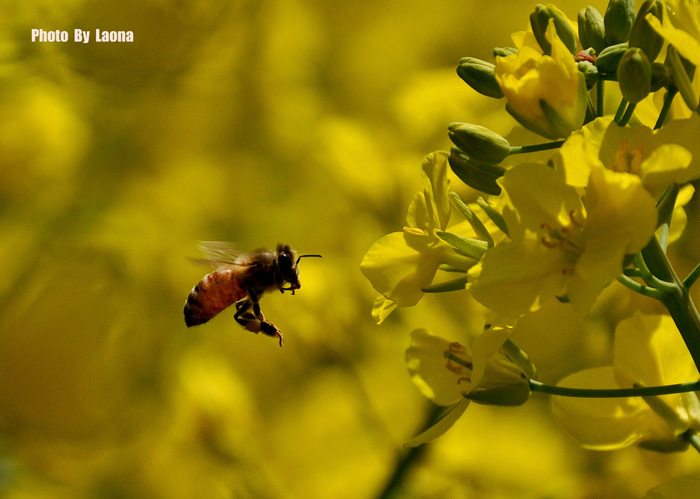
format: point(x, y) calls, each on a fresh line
point(217, 253)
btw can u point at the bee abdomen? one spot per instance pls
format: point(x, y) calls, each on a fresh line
point(194, 309)
point(210, 296)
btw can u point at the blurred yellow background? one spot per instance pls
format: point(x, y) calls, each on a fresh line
point(256, 122)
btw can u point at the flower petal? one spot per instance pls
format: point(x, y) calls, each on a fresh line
point(518, 277)
point(427, 364)
point(382, 308)
point(539, 195)
point(602, 424)
point(650, 350)
point(444, 423)
point(685, 43)
point(401, 264)
point(430, 209)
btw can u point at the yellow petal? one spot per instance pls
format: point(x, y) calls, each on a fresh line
point(401, 264)
point(517, 277)
point(601, 424)
point(685, 43)
point(444, 423)
point(428, 366)
point(650, 350)
point(382, 308)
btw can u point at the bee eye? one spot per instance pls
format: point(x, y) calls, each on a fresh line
point(285, 261)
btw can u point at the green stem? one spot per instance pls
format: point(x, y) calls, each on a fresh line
point(394, 486)
point(536, 147)
point(600, 98)
point(640, 288)
point(628, 114)
point(644, 391)
point(676, 299)
point(649, 277)
point(668, 100)
point(692, 277)
point(692, 438)
point(620, 111)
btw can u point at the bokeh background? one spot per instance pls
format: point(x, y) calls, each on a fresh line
point(256, 122)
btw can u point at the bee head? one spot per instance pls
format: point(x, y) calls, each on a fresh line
point(289, 267)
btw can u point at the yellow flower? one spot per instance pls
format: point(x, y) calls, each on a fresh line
point(670, 154)
point(559, 245)
point(546, 94)
point(649, 351)
point(401, 264)
point(451, 374)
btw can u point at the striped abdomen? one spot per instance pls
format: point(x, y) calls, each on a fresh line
point(212, 294)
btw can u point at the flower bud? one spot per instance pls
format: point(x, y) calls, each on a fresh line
point(660, 76)
point(619, 17)
point(480, 176)
point(590, 72)
point(591, 29)
point(479, 75)
point(509, 395)
point(609, 58)
point(642, 34)
point(504, 51)
point(539, 20)
point(479, 143)
point(634, 75)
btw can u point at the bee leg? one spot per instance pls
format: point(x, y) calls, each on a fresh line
point(244, 317)
point(255, 321)
point(270, 329)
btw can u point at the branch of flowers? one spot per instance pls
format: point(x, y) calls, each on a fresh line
point(600, 97)
point(628, 114)
point(692, 277)
point(645, 391)
point(632, 272)
point(649, 278)
point(394, 484)
point(692, 438)
point(620, 111)
point(676, 299)
point(536, 147)
point(639, 288)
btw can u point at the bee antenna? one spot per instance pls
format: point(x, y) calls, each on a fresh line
point(302, 256)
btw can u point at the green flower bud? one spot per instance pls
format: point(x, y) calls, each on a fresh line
point(591, 29)
point(619, 17)
point(479, 75)
point(660, 76)
point(609, 58)
point(504, 51)
point(509, 395)
point(539, 20)
point(642, 34)
point(590, 72)
point(664, 446)
point(479, 143)
point(634, 75)
point(480, 176)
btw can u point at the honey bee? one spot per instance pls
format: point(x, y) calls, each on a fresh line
point(241, 279)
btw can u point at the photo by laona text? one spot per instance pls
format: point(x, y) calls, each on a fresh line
point(81, 36)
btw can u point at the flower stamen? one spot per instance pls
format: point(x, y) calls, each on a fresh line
point(628, 161)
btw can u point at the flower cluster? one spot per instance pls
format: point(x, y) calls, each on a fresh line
point(600, 203)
